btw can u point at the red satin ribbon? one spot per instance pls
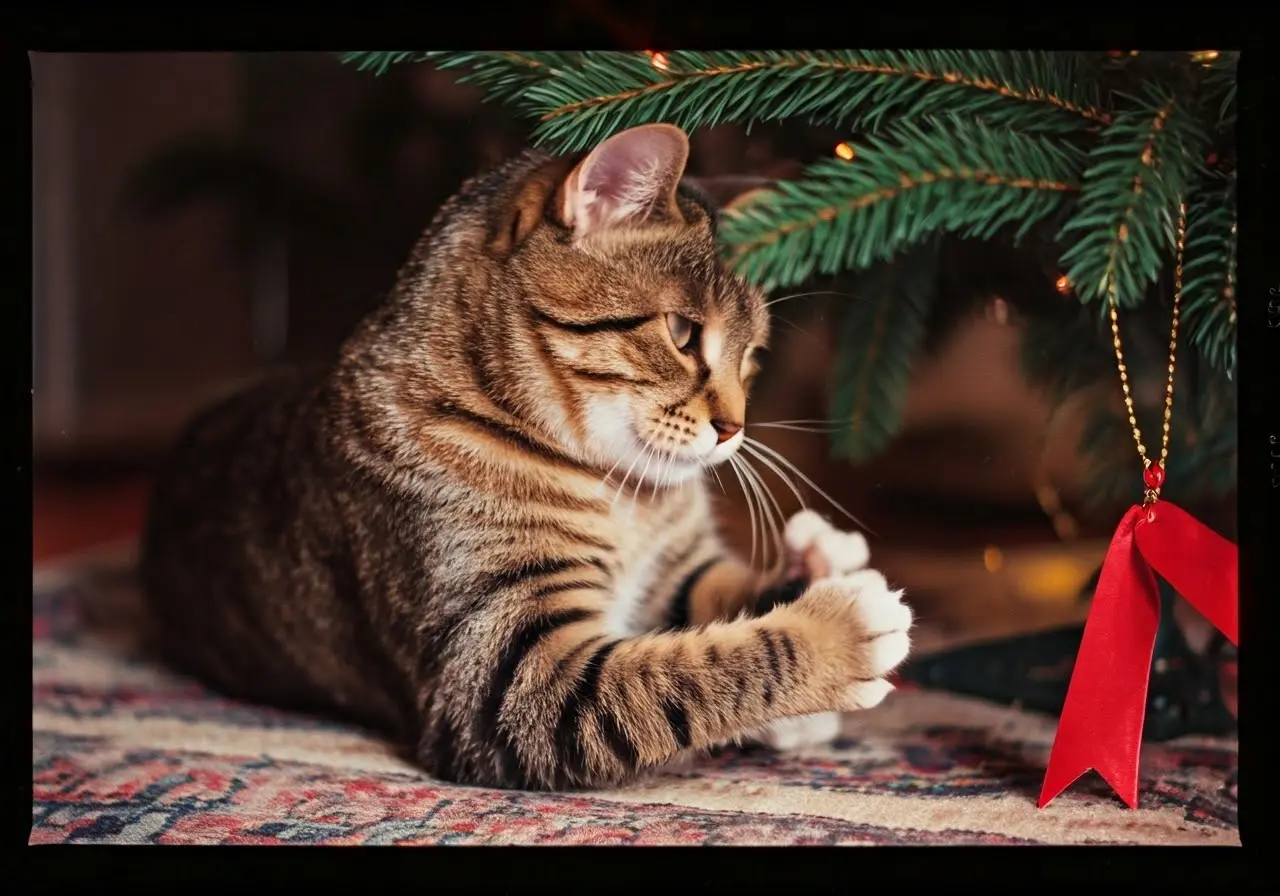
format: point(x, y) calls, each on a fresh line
point(1101, 723)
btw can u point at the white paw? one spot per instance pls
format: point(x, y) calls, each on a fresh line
point(820, 549)
point(799, 732)
point(886, 621)
point(865, 694)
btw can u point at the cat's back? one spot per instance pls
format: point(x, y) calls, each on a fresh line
point(226, 455)
point(226, 522)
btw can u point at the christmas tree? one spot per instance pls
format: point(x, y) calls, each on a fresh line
point(1085, 163)
point(1084, 160)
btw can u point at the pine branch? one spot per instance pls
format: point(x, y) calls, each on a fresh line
point(503, 76)
point(1220, 85)
point(594, 95)
point(507, 77)
point(379, 62)
point(900, 188)
point(1141, 169)
point(1209, 275)
point(883, 330)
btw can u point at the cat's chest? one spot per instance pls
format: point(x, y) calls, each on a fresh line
point(626, 613)
point(638, 568)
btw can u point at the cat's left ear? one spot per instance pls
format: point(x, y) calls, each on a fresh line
point(627, 179)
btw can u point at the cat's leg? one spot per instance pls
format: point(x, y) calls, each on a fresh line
point(714, 590)
point(816, 550)
point(723, 588)
point(566, 705)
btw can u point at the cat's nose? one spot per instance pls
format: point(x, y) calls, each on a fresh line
point(725, 429)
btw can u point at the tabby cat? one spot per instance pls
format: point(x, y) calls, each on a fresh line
point(484, 529)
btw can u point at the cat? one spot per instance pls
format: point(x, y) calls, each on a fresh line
point(484, 529)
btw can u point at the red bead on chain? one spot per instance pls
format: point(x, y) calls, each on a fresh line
point(1153, 472)
point(1153, 475)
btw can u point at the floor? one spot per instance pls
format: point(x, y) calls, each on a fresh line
point(70, 515)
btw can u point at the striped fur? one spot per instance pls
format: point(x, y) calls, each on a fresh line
point(455, 533)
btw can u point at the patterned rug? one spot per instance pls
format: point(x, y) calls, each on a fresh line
point(125, 752)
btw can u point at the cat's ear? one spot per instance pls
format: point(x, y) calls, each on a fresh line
point(627, 179)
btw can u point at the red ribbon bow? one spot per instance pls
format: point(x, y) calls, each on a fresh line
point(1101, 723)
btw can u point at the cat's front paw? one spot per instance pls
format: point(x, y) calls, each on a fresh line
point(870, 627)
point(818, 550)
point(799, 732)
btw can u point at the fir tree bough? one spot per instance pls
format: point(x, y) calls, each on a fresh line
point(881, 332)
point(908, 182)
point(1141, 169)
point(966, 143)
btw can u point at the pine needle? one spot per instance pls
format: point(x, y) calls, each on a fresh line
point(902, 187)
point(1209, 274)
point(379, 62)
point(1141, 169)
point(882, 332)
point(859, 90)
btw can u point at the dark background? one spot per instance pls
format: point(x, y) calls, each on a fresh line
point(202, 216)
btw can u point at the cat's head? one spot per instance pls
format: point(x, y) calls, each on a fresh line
point(599, 308)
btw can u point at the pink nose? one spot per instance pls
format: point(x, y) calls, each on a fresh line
point(725, 430)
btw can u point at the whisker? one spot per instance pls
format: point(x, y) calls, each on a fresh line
point(627, 475)
point(751, 512)
point(786, 480)
point(807, 481)
point(669, 479)
point(798, 329)
point(775, 522)
point(810, 430)
point(758, 518)
point(847, 421)
point(605, 480)
point(640, 481)
point(716, 473)
point(805, 295)
point(666, 471)
point(763, 511)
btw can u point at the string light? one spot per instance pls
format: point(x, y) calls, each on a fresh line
point(1054, 579)
point(845, 151)
point(658, 60)
point(1063, 284)
point(1205, 56)
point(992, 558)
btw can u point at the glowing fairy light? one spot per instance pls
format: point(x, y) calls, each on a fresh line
point(844, 151)
point(1205, 56)
point(658, 60)
point(992, 558)
point(1063, 284)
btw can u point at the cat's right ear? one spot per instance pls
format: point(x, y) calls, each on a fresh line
point(628, 179)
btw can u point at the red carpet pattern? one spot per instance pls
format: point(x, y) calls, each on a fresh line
point(126, 752)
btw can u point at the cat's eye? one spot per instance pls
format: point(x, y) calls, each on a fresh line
point(682, 330)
